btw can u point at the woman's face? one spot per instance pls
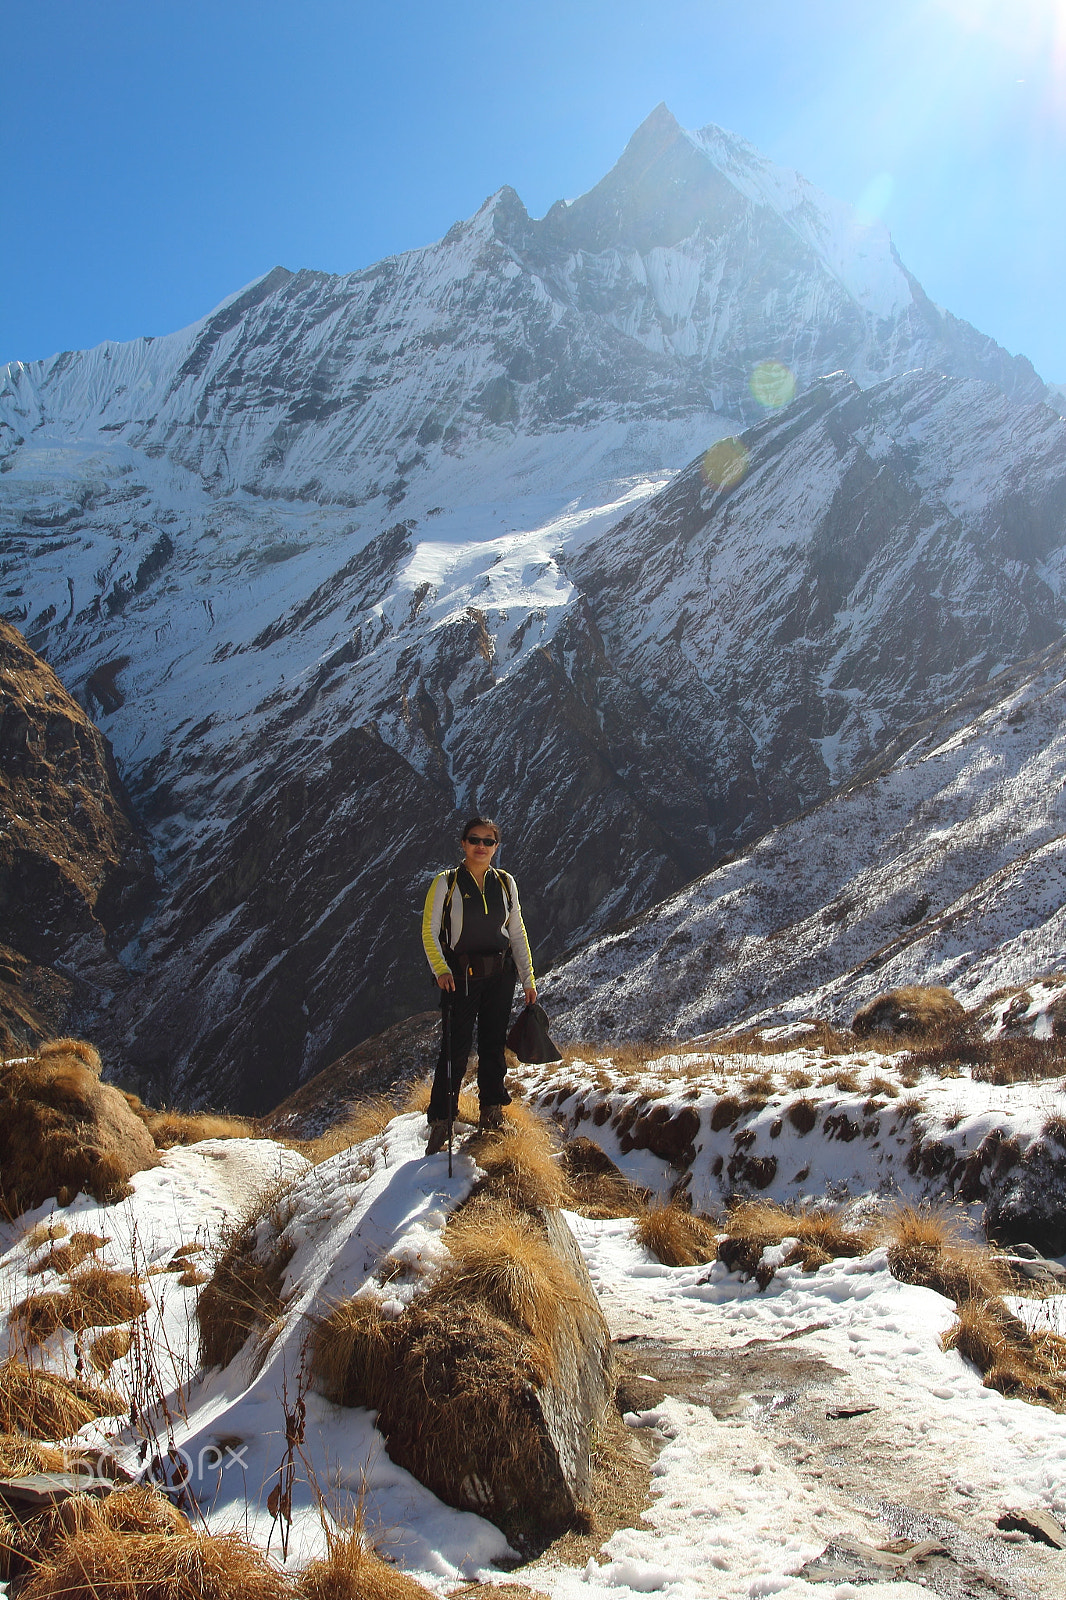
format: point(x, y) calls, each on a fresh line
point(479, 847)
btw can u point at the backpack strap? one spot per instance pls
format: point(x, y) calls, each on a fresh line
point(507, 887)
point(451, 878)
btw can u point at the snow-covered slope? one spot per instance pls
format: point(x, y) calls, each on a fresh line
point(817, 1417)
point(946, 864)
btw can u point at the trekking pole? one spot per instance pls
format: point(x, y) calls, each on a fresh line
point(448, 1047)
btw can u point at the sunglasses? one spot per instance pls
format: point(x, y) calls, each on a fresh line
point(482, 844)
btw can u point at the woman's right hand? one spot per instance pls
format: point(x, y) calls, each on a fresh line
point(446, 982)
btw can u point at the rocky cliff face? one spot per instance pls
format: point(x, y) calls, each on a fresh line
point(724, 658)
point(943, 863)
point(356, 556)
point(76, 877)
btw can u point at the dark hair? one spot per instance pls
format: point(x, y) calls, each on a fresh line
point(480, 822)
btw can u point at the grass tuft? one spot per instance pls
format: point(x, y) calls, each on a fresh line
point(501, 1260)
point(1016, 1362)
point(352, 1570)
point(43, 1405)
point(521, 1165)
point(754, 1226)
point(914, 1011)
point(63, 1131)
point(595, 1186)
point(803, 1114)
point(927, 1248)
point(109, 1347)
point(365, 1120)
point(169, 1127)
point(244, 1291)
point(19, 1457)
point(102, 1562)
point(96, 1297)
point(64, 1258)
point(676, 1237)
point(352, 1354)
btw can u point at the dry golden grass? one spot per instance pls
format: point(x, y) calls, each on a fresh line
point(169, 1127)
point(753, 1041)
point(65, 1257)
point(676, 1237)
point(798, 1078)
point(1028, 1366)
point(99, 1562)
point(108, 1347)
point(1054, 1129)
point(500, 1259)
point(351, 1354)
point(451, 1377)
point(417, 1099)
point(926, 1247)
point(96, 1297)
point(1014, 1059)
point(62, 1130)
point(43, 1405)
point(883, 1086)
point(471, 1374)
point(244, 1290)
point(913, 1011)
point(449, 1381)
point(79, 1050)
point(521, 1164)
point(352, 1570)
point(363, 1121)
point(132, 1510)
point(727, 1110)
point(595, 1186)
point(20, 1456)
point(45, 1232)
point(755, 1225)
point(803, 1114)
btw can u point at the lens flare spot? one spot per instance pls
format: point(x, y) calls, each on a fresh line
point(874, 199)
point(725, 464)
point(772, 384)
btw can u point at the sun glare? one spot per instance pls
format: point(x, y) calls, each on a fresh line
point(1034, 29)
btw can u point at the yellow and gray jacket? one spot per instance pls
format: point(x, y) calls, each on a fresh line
point(443, 912)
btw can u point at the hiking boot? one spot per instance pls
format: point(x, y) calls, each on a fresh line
point(491, 1119)
point(438, 1137)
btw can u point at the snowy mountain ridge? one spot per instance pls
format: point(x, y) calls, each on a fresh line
point(355, 555)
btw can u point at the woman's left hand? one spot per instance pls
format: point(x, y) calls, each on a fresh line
point(531, 994)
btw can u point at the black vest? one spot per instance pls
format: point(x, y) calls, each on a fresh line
point(483, 932)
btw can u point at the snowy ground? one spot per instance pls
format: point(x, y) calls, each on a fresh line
point(822, 1409)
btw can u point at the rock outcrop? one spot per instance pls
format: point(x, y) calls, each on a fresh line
point(76, 876)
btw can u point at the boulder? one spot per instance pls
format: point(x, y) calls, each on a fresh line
point(491, 1386)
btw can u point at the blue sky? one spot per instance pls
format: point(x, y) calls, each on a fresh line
point(158, 154)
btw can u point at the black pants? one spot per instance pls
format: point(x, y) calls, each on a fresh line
point(488, 1004)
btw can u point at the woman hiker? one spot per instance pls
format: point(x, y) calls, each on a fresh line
point(476, 943)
